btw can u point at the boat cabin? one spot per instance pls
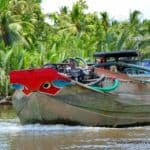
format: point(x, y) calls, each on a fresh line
point(125, 61)
point(124, 55)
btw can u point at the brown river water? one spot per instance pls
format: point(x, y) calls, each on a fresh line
point(14, 136)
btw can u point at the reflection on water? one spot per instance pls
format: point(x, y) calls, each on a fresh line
point(14, 136)
point(6, 111)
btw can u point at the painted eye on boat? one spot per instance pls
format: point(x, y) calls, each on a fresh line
point(47, 85)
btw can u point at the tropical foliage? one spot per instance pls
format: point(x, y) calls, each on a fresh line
point(27, 40)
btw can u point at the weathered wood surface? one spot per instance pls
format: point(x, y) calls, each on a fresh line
point(120, 76)
point(128, 85)
point(77, 104)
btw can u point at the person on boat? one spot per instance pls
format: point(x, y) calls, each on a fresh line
point(103, 60)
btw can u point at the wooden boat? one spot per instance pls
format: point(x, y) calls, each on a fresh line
point(47, 95)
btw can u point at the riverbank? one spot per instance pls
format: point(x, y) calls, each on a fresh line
point(6, 100)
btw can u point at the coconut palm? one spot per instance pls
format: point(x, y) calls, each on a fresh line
point(17, 21)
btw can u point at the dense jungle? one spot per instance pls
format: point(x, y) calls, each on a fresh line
point(29, 38)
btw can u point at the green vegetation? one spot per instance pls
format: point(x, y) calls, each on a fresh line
point(26, 40)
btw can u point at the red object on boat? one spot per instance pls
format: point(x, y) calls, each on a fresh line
point(34, 79)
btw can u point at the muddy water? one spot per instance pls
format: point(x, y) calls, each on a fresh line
point(14, 136)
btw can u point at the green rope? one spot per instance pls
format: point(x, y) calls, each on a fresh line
point(106, 88)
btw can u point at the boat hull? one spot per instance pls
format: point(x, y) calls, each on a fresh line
point(79, 105)
point(128, 85)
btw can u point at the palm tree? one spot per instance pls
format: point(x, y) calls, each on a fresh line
point(105, 20)
point(134, 17)
point(15, 23)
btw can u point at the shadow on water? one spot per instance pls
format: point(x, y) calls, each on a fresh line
point(14, 136)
